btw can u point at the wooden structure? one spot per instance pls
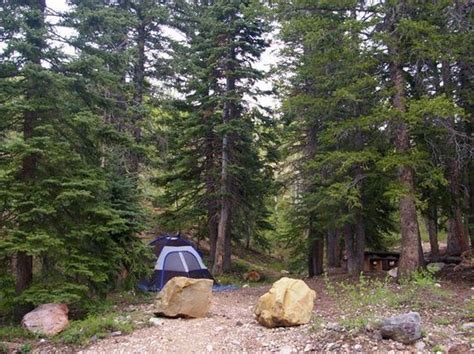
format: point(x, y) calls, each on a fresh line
point(378, 261)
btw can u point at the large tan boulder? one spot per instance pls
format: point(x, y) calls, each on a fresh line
point(184, 297)
point(47, 319)
point(288, 303)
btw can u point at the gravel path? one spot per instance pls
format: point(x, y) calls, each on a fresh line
point(231, 327)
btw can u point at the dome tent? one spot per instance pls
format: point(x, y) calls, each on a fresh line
point(175, 257)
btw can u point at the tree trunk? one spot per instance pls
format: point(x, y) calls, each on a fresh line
point(431, 221)
point(458, 241)
point(457, 238)
point(453, 248)
point(24, 271)
point(315, 257)
point(227, 263)
point(223, 227)
point(212, 231)
point(356, 244)
point(354, 240)
point(139, 83)
point(24, 261)
point(212, 221)
point(333, 249)
point(223, 230)
point(410, 259)
point(466, 88)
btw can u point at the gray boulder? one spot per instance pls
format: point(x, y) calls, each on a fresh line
point(405, 328)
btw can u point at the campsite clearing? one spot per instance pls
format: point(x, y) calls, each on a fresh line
point(342, 322)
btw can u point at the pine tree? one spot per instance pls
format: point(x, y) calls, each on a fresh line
point(217, 160)
point(331, 106)
point(69, 223)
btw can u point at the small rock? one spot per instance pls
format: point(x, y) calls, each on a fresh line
point(239, 324)
point(460, 348)
point(332, 346)
point(437, 285)
point(333, 326)
point(357, 347)
point(245, 286)
point(405, 328)
point(469, 326)
point(283, 271)
point(286, 350)
point(308, 348)
point(156, 321)
point(209, 348)
point(116, 334)
point(399, 346)
point(393, 272)
point(420, 346)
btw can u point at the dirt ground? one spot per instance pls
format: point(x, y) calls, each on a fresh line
point(231, 327)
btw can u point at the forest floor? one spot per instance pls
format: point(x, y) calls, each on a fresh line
point(342, 320)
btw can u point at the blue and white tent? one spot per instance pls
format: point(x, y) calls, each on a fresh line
point(175, 257)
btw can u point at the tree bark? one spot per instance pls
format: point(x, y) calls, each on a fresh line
point(466, 87)
point(139, 83)
point(211, 205)
point(224, 219)
point(315, 240)
point(315, 257)
point(431, 221)
point(410, 256)
point(23, 260)
point(227, 263)
point(333, 249)
point(457, 238)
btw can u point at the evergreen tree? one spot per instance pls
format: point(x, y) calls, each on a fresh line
point(216, 162)
point(69, 224)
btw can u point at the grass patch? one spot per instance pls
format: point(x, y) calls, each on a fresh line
point(442, 321)
point(12, 333)
point(94, 327)
point(3, 348)
point(316, 323)
point(357, 323)
point(363, 300)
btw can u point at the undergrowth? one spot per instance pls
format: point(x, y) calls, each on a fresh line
point(97, 319)
point(93, 328)
point(361, 302)
point(11, 333)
